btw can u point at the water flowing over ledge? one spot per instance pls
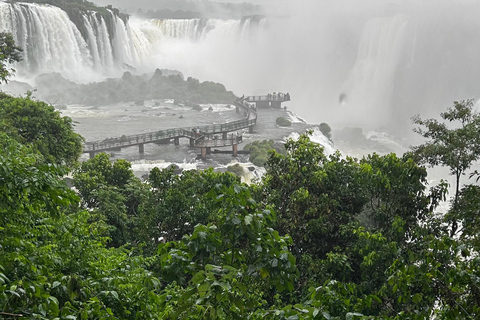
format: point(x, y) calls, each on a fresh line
point(101, 47)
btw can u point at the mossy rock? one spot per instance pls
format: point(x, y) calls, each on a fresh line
point(325, 130)
point(236, 169)
point(283, 122)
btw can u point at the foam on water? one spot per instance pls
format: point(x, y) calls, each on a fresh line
point(148, 165)
point(387, 140)
point(249, 176)
point(317, 137)
point(295, 118)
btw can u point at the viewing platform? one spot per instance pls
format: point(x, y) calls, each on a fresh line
point(273, 100)
point(203, 137)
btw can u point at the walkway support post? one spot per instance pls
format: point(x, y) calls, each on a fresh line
point(250, 129)
point(192, 142)
point(204, 153)
point(209, 150)
point(235, 150)
point(177, 141)
point(92, 155)
point(141, 148)
point(224, 137)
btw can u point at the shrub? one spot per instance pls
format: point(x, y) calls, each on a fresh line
point(259, 161)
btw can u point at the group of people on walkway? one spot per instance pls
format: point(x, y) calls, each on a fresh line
point(279, 96)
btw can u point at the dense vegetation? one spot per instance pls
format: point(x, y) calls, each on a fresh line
point(135, 88)
point(259, 151)
point(317, 238)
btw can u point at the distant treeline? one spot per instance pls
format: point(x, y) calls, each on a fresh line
point(133, 88)
point(182, 9)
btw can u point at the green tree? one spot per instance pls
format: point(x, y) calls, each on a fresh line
point(38, 124)
point(232, 264)
point(456, 147)
point(175, 204)
point(113, 192)
point(9, 53)
point(55, 265)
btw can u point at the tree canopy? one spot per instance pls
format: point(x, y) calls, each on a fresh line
point(38, 124)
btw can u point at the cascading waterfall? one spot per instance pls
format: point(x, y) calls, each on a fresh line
point(383, 45)
point(50, 41)
point(53, 43)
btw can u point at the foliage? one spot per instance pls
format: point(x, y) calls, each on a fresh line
point(318, 238)
point(259, 151)
point(229, 262)
point(38, 124)
point(174, 203)
point(283, 122)
point(9, 53)
point(55, 265)
point(112, 191)
point(138, 88)
point(456, 148)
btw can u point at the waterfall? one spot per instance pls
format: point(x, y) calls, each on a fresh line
point(53, 43)
point(383, 46)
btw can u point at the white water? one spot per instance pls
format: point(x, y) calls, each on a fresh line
point(318, 138)
point(52, 43)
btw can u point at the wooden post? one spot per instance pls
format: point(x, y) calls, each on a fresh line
point(225, 135)
point(192, 142)
point(177, 141)
point(209, 150)
point(204, 153)
point(141, 148)
point(250, 129)
point(92, 155)
point(235, 150)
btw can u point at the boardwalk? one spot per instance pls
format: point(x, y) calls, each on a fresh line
point(204, 137)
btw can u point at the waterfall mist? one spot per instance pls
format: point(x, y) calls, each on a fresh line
point(373, 63)
point(369, 63)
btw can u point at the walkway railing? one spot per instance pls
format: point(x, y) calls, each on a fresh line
point(270, 97)
point(219, 141)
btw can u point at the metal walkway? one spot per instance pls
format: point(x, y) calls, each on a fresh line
point(204, 137)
